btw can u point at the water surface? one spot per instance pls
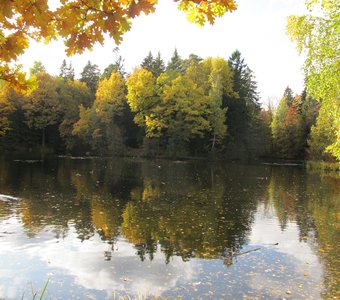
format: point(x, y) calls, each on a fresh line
point(111, 228)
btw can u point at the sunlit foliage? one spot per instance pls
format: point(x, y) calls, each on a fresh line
point(80, 24)
point(97, 125)
point(43, 107)
point(317, 35)
point(182, 104)
point(71, 95)
point(292, 124)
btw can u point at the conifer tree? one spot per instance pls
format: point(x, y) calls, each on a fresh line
point(90, 75)
point(66, 71)
point(175, 63)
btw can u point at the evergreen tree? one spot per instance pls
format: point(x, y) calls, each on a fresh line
point(243, 114)
point(153, 65)
point(148, 62)
point(70, 72)
point(118, 67)
point(66, 71)
point(90, 75)
point(175, 63)
point(63, 69)
point(277, 127)
point(193, 59)
point(158, 65)
point(288, 96)
point(309, 111)
point(244, 80)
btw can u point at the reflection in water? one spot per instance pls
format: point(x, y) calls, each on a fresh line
point(97, 227)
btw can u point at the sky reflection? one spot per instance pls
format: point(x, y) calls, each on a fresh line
point(212, 238)
point(80, 266)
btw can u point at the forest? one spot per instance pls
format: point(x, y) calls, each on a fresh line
point(188, 107)
point(202, 107)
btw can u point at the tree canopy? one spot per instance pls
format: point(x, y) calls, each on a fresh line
point(317, 34)
point(195, 107)
point(81, 24)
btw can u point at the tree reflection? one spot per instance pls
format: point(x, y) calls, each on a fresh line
point(325, 207)
point(181, 209)
point(190, 211)
point(313, 202)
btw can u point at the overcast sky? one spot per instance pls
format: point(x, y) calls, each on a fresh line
point(257, 29)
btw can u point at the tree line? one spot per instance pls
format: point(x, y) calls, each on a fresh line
point(187, 107)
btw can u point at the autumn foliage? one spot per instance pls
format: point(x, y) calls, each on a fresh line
point(174, 109)
point(80, 23)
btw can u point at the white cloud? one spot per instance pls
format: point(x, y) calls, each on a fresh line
point(80, 267)
point(267, 230)
point(85, 262)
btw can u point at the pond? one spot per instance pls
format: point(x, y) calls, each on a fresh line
point(136, 229)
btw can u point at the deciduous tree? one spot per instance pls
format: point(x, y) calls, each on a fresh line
point(288, 127)
point(142, 94)
point(110, 97)
point(98, 125)
point(37, 68)
point(71, 95)
point(43, 109)
point(220, 84)
point(187, 110)
point(316, 34)
point(5, 109)
point(80, 24)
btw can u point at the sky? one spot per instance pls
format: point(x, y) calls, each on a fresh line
point(257, 29)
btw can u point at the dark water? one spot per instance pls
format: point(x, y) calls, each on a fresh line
point(125, 229)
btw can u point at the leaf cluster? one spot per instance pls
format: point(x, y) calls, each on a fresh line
point(80, 23)
point(184, 102)
point(317, 34)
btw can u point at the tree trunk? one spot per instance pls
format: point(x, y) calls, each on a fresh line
point(213, 143)
point(43, 139)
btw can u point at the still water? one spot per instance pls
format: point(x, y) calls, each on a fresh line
point(137, 229)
